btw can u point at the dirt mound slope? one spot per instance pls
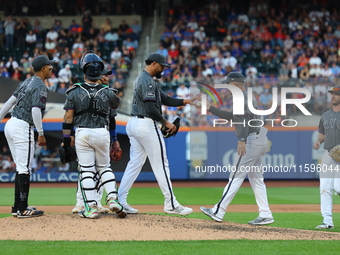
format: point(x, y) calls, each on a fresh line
point(144, 227)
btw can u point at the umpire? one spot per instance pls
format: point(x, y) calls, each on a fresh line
point(146, 138)
point(29, 100)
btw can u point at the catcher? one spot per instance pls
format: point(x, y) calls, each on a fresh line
point(116, 154)
point(329, 134)
point(87, 108)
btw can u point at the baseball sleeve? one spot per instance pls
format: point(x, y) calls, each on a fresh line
point(148, 90)
point(321, 128)
point(114, 102)
point(69, 104)
point(39, 97)
point(7, 106)
point(170, 101)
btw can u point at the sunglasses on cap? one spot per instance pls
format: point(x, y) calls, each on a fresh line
point(336, 89)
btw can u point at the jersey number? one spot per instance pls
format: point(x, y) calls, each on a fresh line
point(95, 107)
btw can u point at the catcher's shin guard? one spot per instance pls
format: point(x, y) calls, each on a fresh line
point(87, 186)
point(108, 180)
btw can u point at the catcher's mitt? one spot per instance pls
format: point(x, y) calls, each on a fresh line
point(164, 128)
point(116, 152)
point(67, 154)
point(335, 153)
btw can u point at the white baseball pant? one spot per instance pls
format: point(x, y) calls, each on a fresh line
point(20, 139)
point(329, 182)
point(93, 149)
point(146, 139)
point(256, 147)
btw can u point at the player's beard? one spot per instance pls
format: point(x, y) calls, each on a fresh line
point(335, 101)
point(158, 75)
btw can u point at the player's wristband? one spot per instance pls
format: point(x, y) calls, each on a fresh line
point(113, 135)
point(41, 133)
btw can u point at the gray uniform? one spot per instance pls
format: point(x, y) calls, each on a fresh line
point(146, 89)
point(30, 93)
point(329, 125)
point(91, 105)
point(146, 140)
point(29, 98)
point(244, 131)
point(256, 146)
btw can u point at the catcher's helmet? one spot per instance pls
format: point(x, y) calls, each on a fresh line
point(92, 65)
point(234, 77)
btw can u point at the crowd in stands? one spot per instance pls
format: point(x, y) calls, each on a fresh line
point(290, 44)
point(66, 7)
point(21, 41)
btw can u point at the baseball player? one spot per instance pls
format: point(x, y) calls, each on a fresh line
point(252, 145)
point(87, 108)
point(29, 100)
point(113, 137)
point(146, 138)
point(329, 134)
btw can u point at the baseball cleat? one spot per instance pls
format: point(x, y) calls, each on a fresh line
point(324, 226)
point(129, 209)
point(116, 207)
point(78, 208)
point(181, 210)
point(261, 221)
point(102, 209)
point(91, 214)
point(15, 211)
point(122, 213)
point(209, 213)
point(28, 213)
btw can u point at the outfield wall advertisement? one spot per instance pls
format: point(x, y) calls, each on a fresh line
point(211, 155)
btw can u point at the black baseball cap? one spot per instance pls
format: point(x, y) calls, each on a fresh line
point(159, 58)
point(335, 89)
point(41, 61)
point(234, 77)
point(106, 71)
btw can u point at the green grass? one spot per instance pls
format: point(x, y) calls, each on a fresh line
point(187, 196)
point(253, 247)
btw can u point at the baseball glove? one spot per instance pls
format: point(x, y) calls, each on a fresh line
point(164, 128)
point(116, 152)
point(335, 153)
point(67, 154)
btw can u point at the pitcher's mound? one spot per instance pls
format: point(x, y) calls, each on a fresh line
point(143, 227)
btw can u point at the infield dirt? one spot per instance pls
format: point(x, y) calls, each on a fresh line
point(144, 227)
